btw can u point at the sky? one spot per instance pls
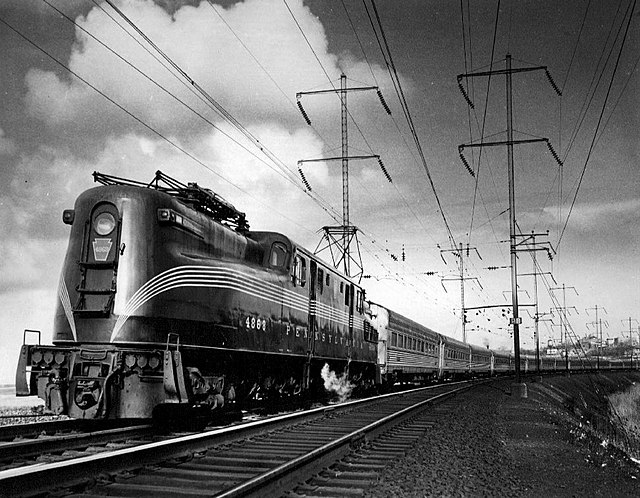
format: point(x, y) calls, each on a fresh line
point(82, 92)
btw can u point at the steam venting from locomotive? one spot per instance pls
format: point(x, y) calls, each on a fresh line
point(339, 385)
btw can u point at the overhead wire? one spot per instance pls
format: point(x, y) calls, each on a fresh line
point(308, 42)
point(484, 117)
point(373, 238)
point(166, 91)
point(595, 82)
point(394, 75)
point(622, 92)
point(225, 114)
point(586, 105)
point(208, 98)
point(630, 11)
point(133, 116)
point(394, 184)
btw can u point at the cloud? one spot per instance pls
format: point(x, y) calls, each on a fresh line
point(600, 216)
point(7, 145)
point(19, 310)
point(41, 186)
point(38, 8)
point(34, 237)
point(29, 264)
point(88, 133)
point(235, 54)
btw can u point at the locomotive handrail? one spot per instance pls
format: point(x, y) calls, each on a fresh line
point(177, 336)
point(26, 331)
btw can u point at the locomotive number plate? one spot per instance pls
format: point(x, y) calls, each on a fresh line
point(255, 323)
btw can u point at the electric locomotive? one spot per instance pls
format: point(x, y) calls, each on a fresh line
point(170, 305)
point(167, 298)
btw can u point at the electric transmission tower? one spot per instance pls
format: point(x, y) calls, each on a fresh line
point(339, 239)
point(460, 254)
point(508, 72)
point(564, 321)
point(598, 324)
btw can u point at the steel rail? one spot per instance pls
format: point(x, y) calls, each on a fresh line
point(43, 478)
point(32, 429)
point(310, 463)
point(58, 443)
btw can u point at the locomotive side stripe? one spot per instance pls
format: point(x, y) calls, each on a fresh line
point(330, 313)
point(198, 271)
point(143, 294)
point(225, 278)
point(63, 294)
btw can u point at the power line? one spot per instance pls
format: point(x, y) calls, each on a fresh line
point(595, 134)
point(594, 83)
point(394, 76)
point(165, 90)
point(218, 107)
point(132, 115)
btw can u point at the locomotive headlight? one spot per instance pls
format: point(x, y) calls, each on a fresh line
point(130, 360)
point(68, 216)
point(105, 223)
point(36, 357)
point(154, 361)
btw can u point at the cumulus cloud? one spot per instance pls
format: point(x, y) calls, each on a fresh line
point(250, 57)
point(92, 133)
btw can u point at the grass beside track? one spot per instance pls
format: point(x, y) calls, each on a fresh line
point(626, 405)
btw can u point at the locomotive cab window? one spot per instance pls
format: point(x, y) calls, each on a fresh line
point(320, 280)
point(359, 301)
point(278, 257)
point(299, 276)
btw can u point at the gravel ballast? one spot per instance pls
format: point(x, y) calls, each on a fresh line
point(499, 444)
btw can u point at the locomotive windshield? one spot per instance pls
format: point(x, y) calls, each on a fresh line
point(278, 256)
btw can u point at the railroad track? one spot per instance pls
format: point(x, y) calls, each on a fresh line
point(52, 427)
point(271, 456)
point(68, 445)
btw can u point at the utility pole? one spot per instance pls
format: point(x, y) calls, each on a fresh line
point(598, 324)
point(339, 239)
point(540, 318)
point(630, 320)
point(564, 320)
point(510, 142)
point(530, 243)
point(460, 254)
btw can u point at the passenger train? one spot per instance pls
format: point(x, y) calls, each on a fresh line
point(168, 300)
